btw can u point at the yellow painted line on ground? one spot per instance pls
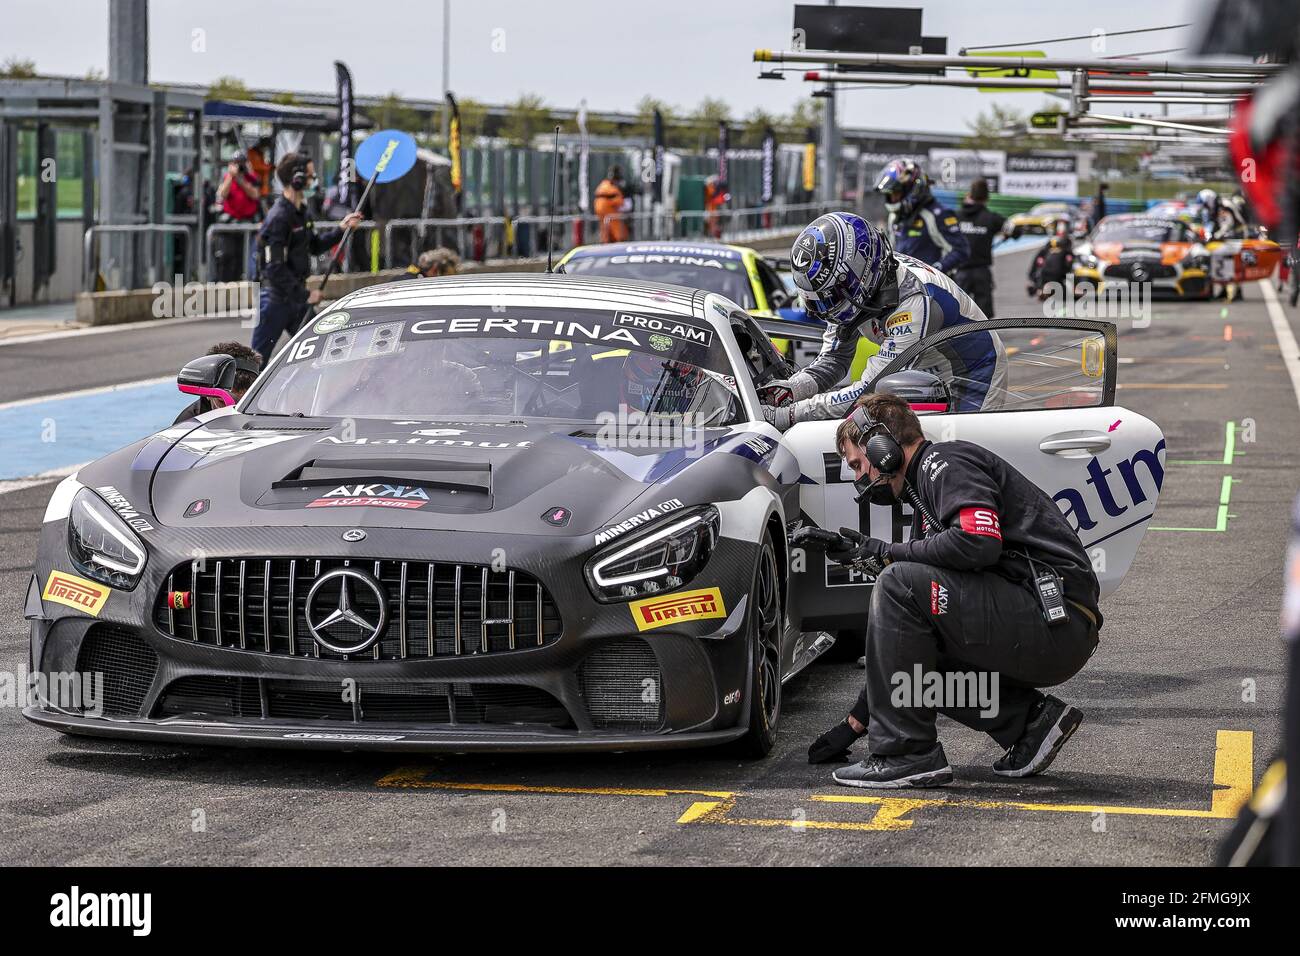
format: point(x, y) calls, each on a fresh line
point(1233, 782)
point(416, 778)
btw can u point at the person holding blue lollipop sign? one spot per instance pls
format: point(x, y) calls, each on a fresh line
point(288, 237)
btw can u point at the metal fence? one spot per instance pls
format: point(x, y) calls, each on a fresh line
point(396, 243)
point(132, 262)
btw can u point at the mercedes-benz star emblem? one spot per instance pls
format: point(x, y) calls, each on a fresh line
point(347, 610)
point(354, 534)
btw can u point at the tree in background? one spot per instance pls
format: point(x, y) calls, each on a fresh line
point(527, 116)
point(645, 118)
point(393, 113)
point(756, 122)
point(15, 69)
point(702, 122)
point(229, 88)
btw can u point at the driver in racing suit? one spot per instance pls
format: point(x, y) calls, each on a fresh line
point(851, 279)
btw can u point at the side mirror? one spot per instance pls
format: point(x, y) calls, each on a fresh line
point(926, 393)
point(211, 376)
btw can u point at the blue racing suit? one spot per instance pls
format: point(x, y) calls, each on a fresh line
point(933, 235)
point(972, 366)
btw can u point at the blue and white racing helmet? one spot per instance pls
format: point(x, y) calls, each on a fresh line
point(840, 260)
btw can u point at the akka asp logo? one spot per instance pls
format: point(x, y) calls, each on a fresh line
point(373, 495)
point(981, 521)
point(938, 598)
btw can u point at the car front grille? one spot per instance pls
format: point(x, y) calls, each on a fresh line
point(434, 609)
point(425, 703)
point(623, 687)
point(126, 662)
point(1154, 269)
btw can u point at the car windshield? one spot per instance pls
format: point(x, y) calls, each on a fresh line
point(697, 267)
point(470, 361)
point(1142, 230)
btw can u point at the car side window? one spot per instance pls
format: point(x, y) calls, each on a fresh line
point(773, 288)
point(761, 357)
point(1018, 369)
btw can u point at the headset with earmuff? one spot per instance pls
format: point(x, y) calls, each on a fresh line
point(877, 442)
point(299, 179)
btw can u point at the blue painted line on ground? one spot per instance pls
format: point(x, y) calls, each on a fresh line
point(1017, 245)
point(62, 432)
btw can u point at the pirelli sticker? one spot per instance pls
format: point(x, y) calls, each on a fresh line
point(72, 591)
point(897, 319)
point(677, 607)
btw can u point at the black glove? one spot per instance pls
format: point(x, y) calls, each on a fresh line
point(855, 548)
point(847, 547)
point(833, 746)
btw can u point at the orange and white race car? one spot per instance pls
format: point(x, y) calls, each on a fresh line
point(1134, 247)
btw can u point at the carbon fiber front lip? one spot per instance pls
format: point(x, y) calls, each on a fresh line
point(377, 736)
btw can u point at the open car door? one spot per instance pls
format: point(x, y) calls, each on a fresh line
point(1049, 410)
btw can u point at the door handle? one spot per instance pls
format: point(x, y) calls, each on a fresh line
point(1074, 444)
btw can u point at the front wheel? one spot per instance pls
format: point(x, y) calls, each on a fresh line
point(763, 632)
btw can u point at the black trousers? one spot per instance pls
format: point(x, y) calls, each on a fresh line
point(951, 622)
point(977, 282)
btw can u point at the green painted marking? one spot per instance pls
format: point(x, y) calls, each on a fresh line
point(1221, 521)
point(1229, 450)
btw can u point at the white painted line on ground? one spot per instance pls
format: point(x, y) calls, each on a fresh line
point(83, 392)
point(54, 474)
point(122, 327)
point(1285, 337)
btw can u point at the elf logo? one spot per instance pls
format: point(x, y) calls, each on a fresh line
point(938, 598)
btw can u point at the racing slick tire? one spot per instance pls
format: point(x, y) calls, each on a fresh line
point(763, 632)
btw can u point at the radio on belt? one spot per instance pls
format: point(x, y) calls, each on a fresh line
point(1051, 595)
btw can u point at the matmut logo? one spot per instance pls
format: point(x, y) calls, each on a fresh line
point(688, 605)
point(72, 591)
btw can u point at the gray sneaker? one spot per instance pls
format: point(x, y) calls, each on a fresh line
point(1051, 723)
point(893, 772)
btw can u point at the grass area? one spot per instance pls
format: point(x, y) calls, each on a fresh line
point(69, 192)
point(1148, 189)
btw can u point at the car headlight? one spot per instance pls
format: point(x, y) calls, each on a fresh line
point(102, 546)
point(1088, 260)
point(662, 560)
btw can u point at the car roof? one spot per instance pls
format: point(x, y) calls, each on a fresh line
point(524, 289)
point(669, 246)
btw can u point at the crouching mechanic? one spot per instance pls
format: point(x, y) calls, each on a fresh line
point(994, 580)
point(850, 278)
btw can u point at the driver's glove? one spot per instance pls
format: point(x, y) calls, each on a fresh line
point(833, 746)
point(779, 418)
point(787, 391)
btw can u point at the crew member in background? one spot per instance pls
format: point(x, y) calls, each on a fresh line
point(994, 585)
point(716, 196)
point(240, 197)
point(1052, 263)
point(259, 161)
point(1099, 205)
point(432, 263)
point(247, 364)
point(981, 226)
point(849, 278)
point(285, 245)
point(919, 226)
point(610, 200)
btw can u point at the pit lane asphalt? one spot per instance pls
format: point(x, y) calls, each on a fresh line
point(1196, 617)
